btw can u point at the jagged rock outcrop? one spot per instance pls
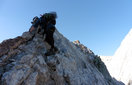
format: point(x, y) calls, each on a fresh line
point(120, 65)
point(23, 62)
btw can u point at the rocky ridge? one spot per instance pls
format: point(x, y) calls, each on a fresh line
point(23, 62)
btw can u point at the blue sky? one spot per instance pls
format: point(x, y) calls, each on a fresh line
point(100, 25)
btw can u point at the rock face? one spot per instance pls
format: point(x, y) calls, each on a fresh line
point(120, 65)
point(23, 62)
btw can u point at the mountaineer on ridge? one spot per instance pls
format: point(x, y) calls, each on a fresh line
point(45, 25)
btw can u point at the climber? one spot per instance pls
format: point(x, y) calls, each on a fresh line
point(49, 29)
point(34, 20)
point(45, 25)
point(35, 23)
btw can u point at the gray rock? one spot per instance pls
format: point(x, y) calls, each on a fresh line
point(32, 79)
point(27, 35)
point(15, 76)
point(73, 64)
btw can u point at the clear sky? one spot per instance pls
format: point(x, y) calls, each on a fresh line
point(100, 25)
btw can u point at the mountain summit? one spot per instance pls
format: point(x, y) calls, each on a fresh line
point(23, 61)
point(120, 65)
